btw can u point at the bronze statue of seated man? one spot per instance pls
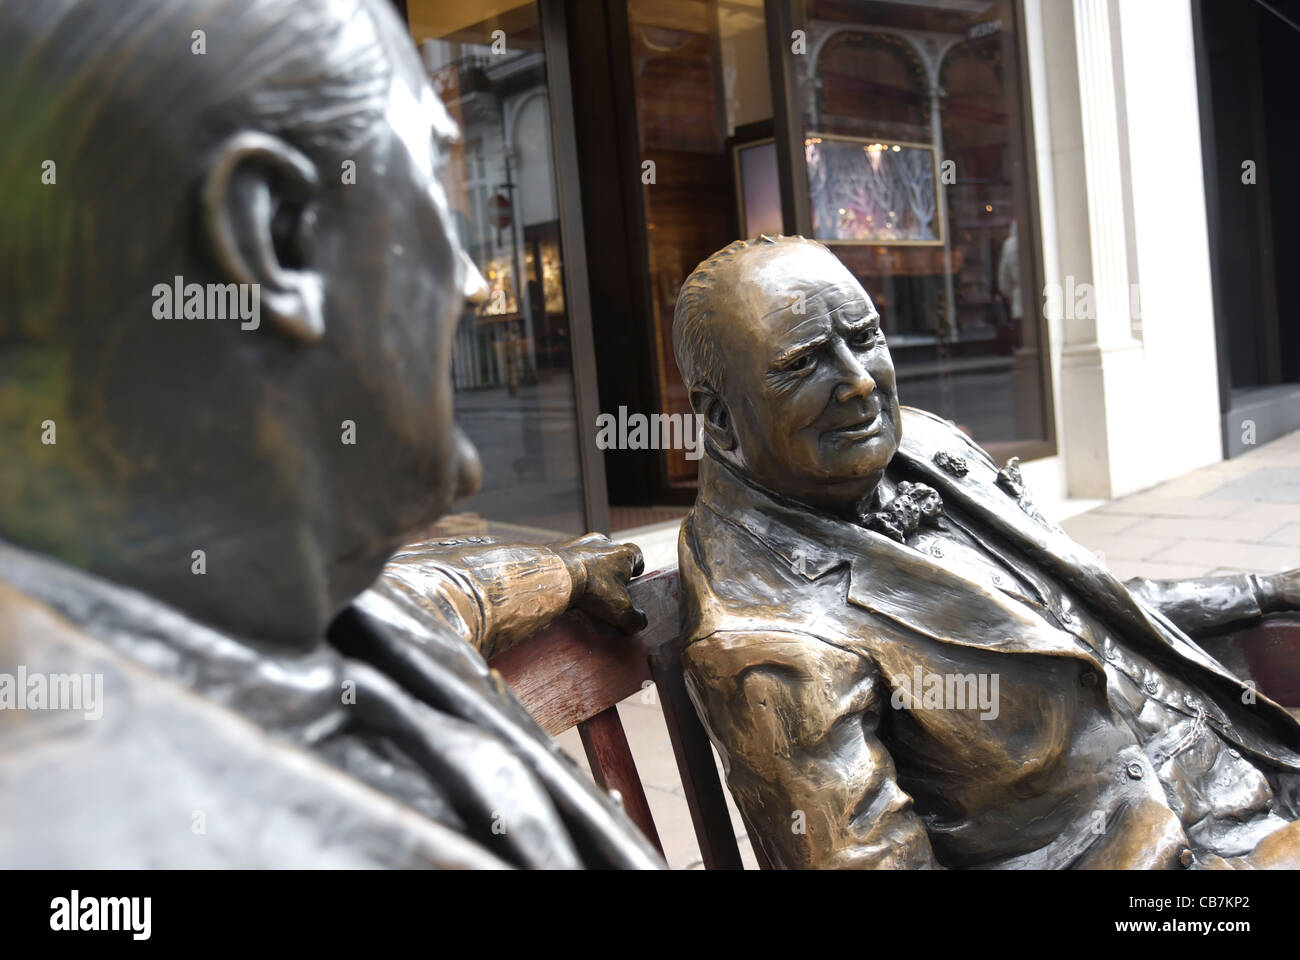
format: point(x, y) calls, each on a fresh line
point(905, 665)
point(195, 511)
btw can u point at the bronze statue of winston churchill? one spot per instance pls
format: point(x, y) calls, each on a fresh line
point(901, 661)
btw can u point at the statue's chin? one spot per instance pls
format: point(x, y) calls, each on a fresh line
point(861, 471)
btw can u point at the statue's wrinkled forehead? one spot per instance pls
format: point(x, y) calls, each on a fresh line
point(768, 279)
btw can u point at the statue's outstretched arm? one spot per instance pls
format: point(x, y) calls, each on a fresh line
point(1207, 604)
point(495, 594)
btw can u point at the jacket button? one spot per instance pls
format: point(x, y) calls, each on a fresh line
point(1135, 770)
point(1089, 678)
point(1186, 858)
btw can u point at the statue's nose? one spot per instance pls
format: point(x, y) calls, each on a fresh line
point(856, 381)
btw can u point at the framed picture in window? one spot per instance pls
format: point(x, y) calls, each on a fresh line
point(758, 186)
point(869, 191)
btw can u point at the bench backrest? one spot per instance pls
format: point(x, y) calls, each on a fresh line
point(574, 674)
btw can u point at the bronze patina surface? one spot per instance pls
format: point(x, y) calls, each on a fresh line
point(901, 661)
point(182, 521)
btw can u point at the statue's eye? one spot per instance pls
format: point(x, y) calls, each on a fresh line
point(864, 337)
point(800, 364)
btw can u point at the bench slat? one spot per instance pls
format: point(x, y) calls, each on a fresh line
point(613, 768)
point(568, 673)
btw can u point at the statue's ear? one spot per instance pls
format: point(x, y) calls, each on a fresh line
point(259, 219)
point(717, 420)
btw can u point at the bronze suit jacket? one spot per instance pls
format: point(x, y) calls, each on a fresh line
point(389, 744)
point(802, 627)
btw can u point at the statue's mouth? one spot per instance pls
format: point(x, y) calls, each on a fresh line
point(861, 429)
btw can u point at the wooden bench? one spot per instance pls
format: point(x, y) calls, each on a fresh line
point(1268, 654)
point(573, 674)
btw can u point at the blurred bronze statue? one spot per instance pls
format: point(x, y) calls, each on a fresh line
point(195, 508)
point(901, 661)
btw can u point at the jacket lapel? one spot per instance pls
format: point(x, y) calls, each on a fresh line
point(1043, 542)
point(886, 578)
point(910, 588)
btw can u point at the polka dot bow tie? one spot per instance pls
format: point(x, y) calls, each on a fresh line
point(912, 505)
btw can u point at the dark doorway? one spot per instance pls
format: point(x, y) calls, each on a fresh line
point(1246, 55)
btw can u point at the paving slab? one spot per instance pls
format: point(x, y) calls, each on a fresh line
point(1204, 528)
point(1274, 484)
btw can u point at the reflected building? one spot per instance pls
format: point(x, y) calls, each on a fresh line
point(512, 363)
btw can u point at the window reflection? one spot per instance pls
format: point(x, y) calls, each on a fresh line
point(700, 74)
point(511, 366)
point(916, 176)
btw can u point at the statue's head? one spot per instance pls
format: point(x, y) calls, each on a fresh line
point(781, 351)
point(294, 145)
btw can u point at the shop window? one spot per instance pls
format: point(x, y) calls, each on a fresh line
point(701, 79)
point(915, 158)
point(511, 365)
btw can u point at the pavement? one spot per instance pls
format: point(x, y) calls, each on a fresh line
point(1236, 516)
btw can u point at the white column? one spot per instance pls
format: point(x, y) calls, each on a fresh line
point(1100, 93)
point(1123, 203)
point(1100, 362)
point(1171, 238)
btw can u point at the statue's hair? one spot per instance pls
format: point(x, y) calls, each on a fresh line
point(694, 343)
point(114, 94)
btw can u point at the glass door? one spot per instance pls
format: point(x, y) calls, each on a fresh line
point(512, 365)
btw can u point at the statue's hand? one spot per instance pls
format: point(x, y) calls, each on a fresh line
point(600, 570)
point(1280, 592)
